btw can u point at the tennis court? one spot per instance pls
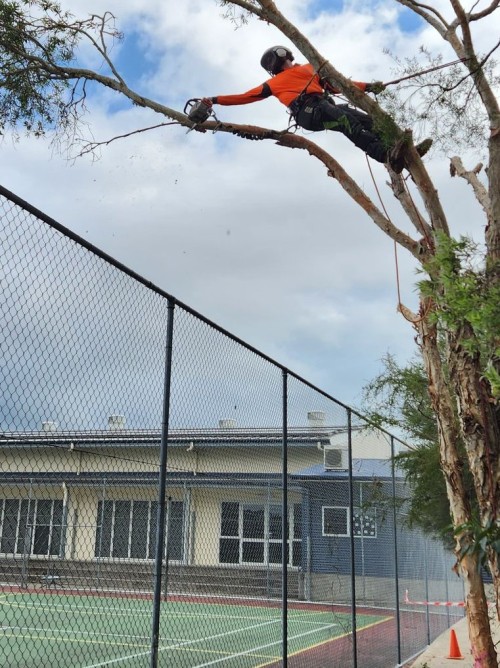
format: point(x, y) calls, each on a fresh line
point(90, 632)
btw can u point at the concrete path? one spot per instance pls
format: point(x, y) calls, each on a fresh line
point(436, 655)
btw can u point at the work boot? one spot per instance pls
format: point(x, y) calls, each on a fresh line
point(396, 157)
point(423, 147)
point(397, 154)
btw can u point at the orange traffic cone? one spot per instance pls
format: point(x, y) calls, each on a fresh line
point(454, 648)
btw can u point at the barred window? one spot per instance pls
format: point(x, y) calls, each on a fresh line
point(127, 530)
point(31, 527)
point(251, 533)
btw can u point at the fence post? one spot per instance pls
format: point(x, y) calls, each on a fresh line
point(447, 594)
point(396, 565)
point(27, 539)
point(64, 522)
point(100, 528)
point(162, 488)
point(284, 522)
point(352, 545)
point(427, 597)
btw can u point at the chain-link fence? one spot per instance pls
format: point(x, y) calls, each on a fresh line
point(171, 497)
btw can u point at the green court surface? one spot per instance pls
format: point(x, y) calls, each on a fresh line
point(45, 630)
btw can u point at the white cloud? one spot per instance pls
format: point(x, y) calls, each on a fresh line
point(254, 236)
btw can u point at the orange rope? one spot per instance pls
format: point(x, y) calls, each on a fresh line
point(424, 231)
point(401, 307)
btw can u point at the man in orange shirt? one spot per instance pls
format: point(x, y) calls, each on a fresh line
point(300, 89)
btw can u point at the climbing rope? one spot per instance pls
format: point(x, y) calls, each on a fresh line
point(401, 307)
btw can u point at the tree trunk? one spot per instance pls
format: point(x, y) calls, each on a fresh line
point(478, 622)
point(480, 433)
point(443, 403)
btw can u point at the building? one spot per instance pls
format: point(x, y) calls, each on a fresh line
point(83, 506)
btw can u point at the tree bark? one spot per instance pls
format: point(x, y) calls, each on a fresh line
point(479, 426)
point(444, 406)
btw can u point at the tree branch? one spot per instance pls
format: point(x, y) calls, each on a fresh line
point(336, 171)
point(457, 169)
point(425, 12)
point(429, 194)
point(410, 208)
point(485, 12)
point(90, 147)
point(247, 6)
point(464, 25)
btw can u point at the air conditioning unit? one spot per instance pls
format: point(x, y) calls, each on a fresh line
point(336, 459)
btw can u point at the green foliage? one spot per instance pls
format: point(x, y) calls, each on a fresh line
point(464, 295)
point(32, 34)
point(399, 398)
point(386, 129)
point(376, 496)
point(440, 104)
point(481, 540)
point(492, 375)
point(41, 87)
point(429, 506)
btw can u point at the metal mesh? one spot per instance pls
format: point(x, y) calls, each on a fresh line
point(171, 497)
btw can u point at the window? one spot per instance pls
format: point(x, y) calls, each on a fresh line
point(32, 527)
point(336, 522)
point(251, 533)
point(127, 530)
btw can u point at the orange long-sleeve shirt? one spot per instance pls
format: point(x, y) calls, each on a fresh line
point(286, 86)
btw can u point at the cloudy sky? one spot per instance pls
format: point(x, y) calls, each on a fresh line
point(253, 236)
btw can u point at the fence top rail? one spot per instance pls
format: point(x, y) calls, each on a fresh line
point(152, 436)
point(173, 301)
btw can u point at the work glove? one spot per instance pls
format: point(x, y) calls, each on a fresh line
point(375, 87)
point(208, 101)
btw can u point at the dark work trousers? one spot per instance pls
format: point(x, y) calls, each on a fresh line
point(316, 113)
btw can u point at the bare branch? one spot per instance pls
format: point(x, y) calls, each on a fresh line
point(485, 12)
point(457, 169)
point(426, 12)
point(102, 46)
point(464, 25)
point(336, 171)
point(90, 147)
point(403, 195)
point(246, 6)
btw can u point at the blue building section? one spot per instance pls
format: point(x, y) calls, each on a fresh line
point(338, 525)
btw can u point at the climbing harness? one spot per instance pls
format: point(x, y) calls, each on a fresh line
point(198, 112)
point(298, 102)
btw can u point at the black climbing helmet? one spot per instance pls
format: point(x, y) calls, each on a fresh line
point(273, 59)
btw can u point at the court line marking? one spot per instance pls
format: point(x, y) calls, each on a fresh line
point(324, 642)
point(89, 609)
point(66, 632)
point(261, 647)
point(181, 645)
point(71, 640)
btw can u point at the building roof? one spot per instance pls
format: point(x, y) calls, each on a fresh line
point(361, 468)
point(135, 438)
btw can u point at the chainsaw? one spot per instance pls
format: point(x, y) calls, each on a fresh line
point(198, 112)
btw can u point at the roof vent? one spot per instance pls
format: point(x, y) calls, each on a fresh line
point(116, 422)
point(48, 425)
point(227, 423)
point(316, 419)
